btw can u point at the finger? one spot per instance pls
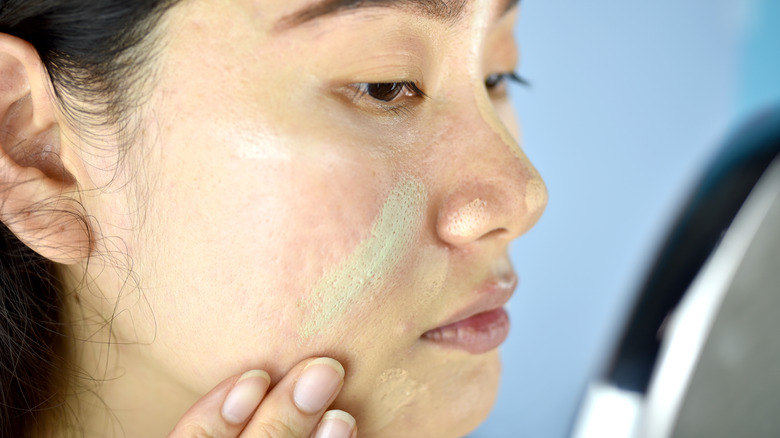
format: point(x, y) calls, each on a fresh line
point(336, 424)
point(226, 409)
point(295, 405)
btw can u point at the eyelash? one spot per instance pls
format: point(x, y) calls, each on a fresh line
point(410, 89)
point(498, 78)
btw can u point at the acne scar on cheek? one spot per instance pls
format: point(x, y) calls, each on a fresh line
point(368, 268)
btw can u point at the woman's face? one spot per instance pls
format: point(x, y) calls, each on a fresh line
point(288, 209)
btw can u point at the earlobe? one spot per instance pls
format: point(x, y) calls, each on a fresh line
point(38, 195)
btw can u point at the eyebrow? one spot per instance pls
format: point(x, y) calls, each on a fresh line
point(444, 10)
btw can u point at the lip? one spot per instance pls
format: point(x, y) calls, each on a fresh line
point(480, 326)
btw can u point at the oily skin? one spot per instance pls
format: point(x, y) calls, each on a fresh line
point(263, 181)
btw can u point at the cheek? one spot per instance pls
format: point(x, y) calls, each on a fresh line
point(399, 401)
point(363, 276)
point(248, 244)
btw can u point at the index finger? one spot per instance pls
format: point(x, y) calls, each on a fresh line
point(226, 409)
point(295, 406)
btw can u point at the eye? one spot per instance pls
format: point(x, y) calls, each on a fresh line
point(493, 81)
point(388, 91)
point(386, 98)
point(384, 92)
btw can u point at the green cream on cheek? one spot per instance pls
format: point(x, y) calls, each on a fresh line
point(364, 272)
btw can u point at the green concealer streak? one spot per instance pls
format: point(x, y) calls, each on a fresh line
point(368, 268)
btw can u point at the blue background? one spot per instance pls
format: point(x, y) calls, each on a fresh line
point(629, 102)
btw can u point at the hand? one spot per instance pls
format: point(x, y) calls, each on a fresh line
point(294, 408)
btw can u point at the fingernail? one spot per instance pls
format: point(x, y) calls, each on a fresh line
point(245, 396)
point(317, 384)
point(335, 424)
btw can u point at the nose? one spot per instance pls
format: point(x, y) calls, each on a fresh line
point(492, 190)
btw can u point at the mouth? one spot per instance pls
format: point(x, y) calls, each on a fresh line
point(482, 325)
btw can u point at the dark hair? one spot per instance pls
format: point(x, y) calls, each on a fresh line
point(94, 51)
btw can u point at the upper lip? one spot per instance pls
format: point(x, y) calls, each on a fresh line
point(492, 294)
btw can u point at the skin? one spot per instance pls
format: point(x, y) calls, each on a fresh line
point(364, 273)
point(268, 216)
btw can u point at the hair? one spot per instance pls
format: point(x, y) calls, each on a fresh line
point(94, 52)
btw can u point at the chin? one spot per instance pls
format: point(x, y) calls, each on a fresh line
point(454, 398)
point(463, 412)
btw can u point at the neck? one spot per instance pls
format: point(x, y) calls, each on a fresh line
point(116, 391)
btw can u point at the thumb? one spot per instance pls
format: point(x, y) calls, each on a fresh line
point(226, 409)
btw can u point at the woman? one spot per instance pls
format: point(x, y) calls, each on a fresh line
point(307, 201)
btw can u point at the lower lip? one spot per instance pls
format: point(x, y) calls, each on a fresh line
point(477, 334)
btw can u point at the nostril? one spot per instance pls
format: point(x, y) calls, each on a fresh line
point(498, 233)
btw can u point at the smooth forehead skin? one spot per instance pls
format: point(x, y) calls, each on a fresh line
point(287, 216)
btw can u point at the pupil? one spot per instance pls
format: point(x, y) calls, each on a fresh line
point(384, 92)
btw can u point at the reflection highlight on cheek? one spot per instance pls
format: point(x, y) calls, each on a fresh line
point(256, 144)
point(369, 267)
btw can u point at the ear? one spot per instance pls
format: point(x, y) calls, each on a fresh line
point(38, 195)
